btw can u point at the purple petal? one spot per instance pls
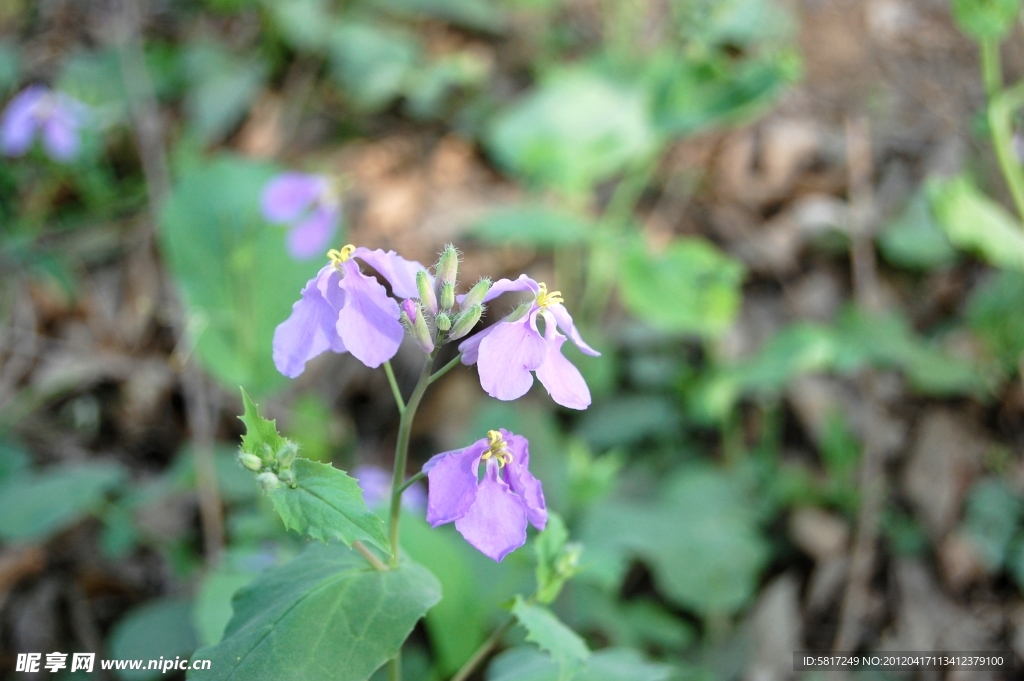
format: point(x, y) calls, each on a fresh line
point(398, 271)
point(470, 348)
point(60, 137)
point(310, 237)
point(310, 330)
point(506, 357)
point(453, 483)
point(288, 195)
point(567, 327)
point(368, 323)
point(562, 380)
point(19, 122)
point(523, 283)
point(522, 481)
point(496, 524)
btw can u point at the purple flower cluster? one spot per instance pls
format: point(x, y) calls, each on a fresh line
point(345, 310)
point(309, 205)
point(54, 116)
point(490, 512)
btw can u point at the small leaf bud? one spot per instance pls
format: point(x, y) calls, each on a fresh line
point(266, 454)
point(268, 481)
point(447, 296)
point(287, 477)
point(443, 321)
point(447, 270)
point(476, 294)
point(250, 461)
point(426, 289)
point(465, 322)
point(287, 454)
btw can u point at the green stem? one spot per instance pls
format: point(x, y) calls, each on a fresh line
point(402, 454)
point(446, 368)
point(394, 387)
point(1001, 106)
point(991, 68)
point(483, 651)
point(370, 558)
point(395, 668)
point(412, 481)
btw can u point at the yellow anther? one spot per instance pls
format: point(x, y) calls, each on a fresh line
point(498, 448)
point(337, 257)
point(544, 299)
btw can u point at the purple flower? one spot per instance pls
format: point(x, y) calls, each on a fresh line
point(38, 109)
point(309, 205)
point(376, 485)
point(508, 351)
point(342, 309)
point(492, 512)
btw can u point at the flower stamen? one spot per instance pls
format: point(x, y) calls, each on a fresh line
point(545, 299)
point(498, 448)
point(337, 257)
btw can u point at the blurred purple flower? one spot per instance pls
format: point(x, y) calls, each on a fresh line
point(309, 205)
point(491, 513)
point(508, 351)
point(342, 309)
point(37, 109)
point(376, 485)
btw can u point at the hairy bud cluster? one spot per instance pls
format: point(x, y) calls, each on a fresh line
point(272, 467)
point(438, 317)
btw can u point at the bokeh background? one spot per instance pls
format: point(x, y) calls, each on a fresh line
point(775, 219)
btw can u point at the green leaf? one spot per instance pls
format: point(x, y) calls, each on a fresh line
point(305, 24)
point(14, 461)
point(985, 19)
point(327, 504)
point(915, 240)
point(687, 97)
point(564, 645)
point(556, 562)
point(223, 88)
point(974, 222)
point(577, 129)
point(480, 15)
point(372, 63)
point(611, 664)
point(324, 615)
point(236, 278)
point(628, 419)
point(991, 517)
point(691, 287)
point(155, 629)
point(260, 433)
point(532, 226)
point(995, 312)
point(700, 539)
point(461, 621)
point(35, 506)
point(212, 609)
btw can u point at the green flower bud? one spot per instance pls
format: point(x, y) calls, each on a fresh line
point(266, 455)
point(476, 294)
point(447, 270)
point(427, 295)
point(447, 296)
point(443, 321)
point(287, 454)
point(288, 477)
point(519, 312)
point(250, 461)
point(465, 321)
point(412, 315)
point(268, 481)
